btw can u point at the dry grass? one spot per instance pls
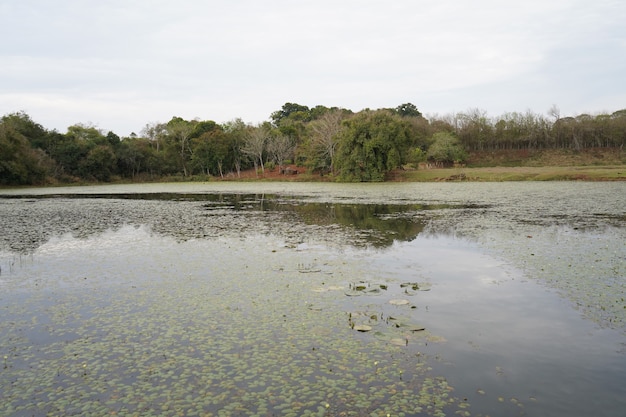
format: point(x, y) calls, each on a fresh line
point(546, 173)
point(550, 157)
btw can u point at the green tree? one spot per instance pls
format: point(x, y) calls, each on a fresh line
point(292, 111)
point(408, 110)
point(132, 156)
point(446, 148)
point(113, 140)
point(87, 133)
point(212, 152)
point(100, 163)
point(24, 148)
point(68, 151)
point(19, 163)
point(23, 124)
point(179, 134)
point(236, 130)
point(371, 144)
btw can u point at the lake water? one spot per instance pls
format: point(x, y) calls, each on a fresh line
point(290, 299)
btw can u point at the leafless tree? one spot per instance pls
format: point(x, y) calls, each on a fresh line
point(324, 135)
point(254, 145)
point(280, 148)
point(154, 132)
point(555, 112)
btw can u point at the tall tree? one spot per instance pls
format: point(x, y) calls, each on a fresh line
point(180, 131)
point(19, 163)
point(323, 134)
point(475, 129)
point(237, 131)
point(253, 145)
point(133, 154)
point(155, 132)
point(212, 151)
point(372, 144)
point(408, 110)
point(293, 111)
point(280, 148)
point(100, 163)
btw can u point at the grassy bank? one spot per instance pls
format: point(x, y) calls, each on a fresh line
point(599, 164)
point(544, 173)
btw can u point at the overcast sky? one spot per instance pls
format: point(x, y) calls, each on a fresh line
point(119, 64)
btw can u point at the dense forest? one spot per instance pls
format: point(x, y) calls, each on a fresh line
point(336, 142)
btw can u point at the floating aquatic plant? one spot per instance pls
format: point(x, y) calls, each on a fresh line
point(156, 306)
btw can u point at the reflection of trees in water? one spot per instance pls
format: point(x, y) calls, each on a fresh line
point(378, 224)
point(27, 224)
point(381, 223)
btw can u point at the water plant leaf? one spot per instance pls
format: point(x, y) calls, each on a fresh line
point(398, 341)
point(398, 302)
point(416, 286)
point(413, 285)
point(362, 327)
point(411, 327)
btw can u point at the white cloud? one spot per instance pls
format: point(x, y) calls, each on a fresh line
point(122, 64)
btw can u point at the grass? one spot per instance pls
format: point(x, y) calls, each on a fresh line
point(527, 165)
point(545, 173)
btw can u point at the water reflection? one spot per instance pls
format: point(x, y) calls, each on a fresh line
point(195, 285)
point(380, 224)
point(30, 222)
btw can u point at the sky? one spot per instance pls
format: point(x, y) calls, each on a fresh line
point(121, 64)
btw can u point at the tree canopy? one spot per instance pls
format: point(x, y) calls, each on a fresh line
point(371, 144)
point(348, 146)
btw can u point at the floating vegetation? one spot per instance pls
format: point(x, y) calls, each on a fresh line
point(398, 341)
point(266, 302)
point(411, 288)
point(183, 340)
point(356, 289)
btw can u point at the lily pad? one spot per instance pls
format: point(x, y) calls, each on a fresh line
point(362, 327)
point(397, 341)
point(363, 287)
point(416, 286)
point(412, 285)
point(411, 327)
point(398, 302)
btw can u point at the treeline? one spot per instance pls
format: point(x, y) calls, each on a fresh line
point(349, 146)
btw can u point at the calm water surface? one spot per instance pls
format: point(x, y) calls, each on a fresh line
point(246, 299)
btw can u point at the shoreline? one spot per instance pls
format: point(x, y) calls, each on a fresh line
point(517, 173)
point(595, 173)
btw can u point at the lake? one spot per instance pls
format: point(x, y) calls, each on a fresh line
point(296, 299)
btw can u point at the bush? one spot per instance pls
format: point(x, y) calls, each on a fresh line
point(446, 148)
